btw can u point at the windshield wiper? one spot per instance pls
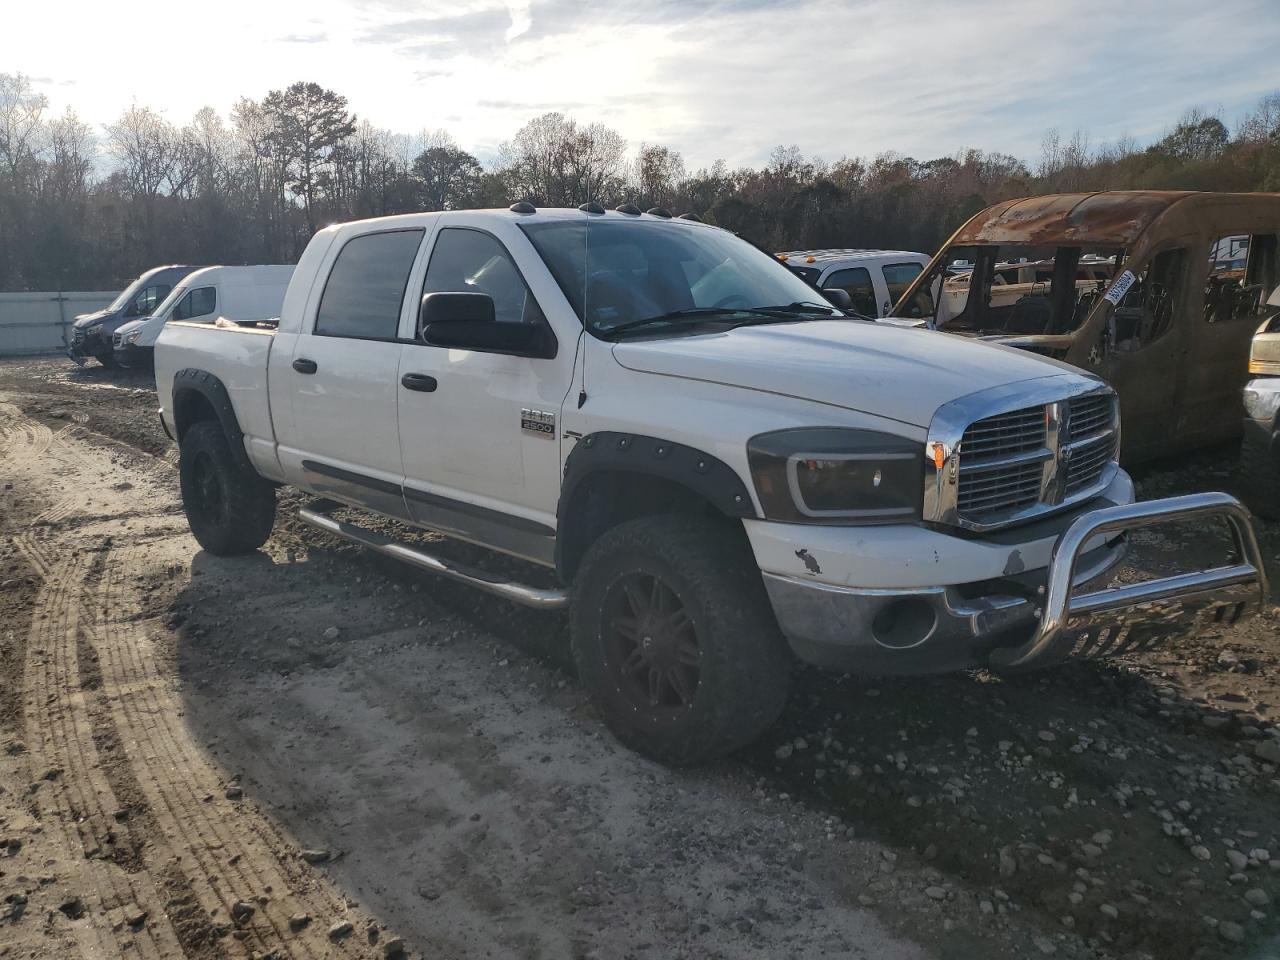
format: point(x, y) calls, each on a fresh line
point(692, 313)
point(802, 307)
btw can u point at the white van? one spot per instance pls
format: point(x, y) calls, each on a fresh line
point(874, 279)
point(238, 294)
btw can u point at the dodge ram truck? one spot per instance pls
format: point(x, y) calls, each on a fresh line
point(723, 470)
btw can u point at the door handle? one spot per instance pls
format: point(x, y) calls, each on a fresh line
point(305, 366)
point(418, 381)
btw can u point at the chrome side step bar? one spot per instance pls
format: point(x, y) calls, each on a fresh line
point(536, 597)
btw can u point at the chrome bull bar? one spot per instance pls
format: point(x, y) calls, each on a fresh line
point(1136, 616)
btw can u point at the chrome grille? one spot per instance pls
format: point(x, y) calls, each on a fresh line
point(1001, 463)
point(1088, 461)
point(1018, 465)
point(1006, 434)
point(77, 336)
point(1090, 414)
point(117, 340)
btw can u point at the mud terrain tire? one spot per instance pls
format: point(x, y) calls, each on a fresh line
point(229, 507)
point(674, 638)
point(1260, 475)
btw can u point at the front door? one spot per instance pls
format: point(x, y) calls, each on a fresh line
point(343, 371)
point(1142, 352)
point(479, 433)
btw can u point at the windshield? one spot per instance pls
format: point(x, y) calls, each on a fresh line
point(127, 294)
point(623, 273)
point(1015, 289)
point(166, 305)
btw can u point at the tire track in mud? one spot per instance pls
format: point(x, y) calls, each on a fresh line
point(184, 791)
point(72, 793)
point(20, 435)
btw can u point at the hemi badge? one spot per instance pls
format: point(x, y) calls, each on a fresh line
point(538, 422)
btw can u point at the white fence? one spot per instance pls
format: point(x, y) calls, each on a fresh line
point(41, 322)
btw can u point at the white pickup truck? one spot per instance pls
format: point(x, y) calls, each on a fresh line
point(722, 470)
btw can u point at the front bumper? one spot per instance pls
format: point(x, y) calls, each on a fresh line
point(1031, 620)
point(88, 343)
point(130, 355)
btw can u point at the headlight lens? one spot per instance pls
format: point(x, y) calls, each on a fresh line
point(133, 337)
point(834, 475)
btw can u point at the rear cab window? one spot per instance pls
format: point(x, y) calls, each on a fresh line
point(364, 292)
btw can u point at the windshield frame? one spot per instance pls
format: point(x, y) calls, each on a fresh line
point(128, 293)
point(789, 287)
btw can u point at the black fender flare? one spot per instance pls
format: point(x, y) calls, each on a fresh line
point(610, 452)
point(214, 391)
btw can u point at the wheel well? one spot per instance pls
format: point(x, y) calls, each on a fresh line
point(189, 408)
point(606, 498)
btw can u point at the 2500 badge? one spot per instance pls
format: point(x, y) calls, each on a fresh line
point(538, 421)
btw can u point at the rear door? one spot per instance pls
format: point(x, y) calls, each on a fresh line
point(344, 388)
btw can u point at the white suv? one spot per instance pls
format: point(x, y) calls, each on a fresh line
point(874, 279)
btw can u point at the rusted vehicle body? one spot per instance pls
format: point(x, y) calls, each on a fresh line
point(1158, 292)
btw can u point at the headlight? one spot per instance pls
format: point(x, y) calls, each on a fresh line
point(833, 474)
point(133, 337)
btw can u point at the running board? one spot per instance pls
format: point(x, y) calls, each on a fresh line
point(537, 597)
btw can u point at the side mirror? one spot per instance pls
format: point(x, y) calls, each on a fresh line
point(454, 308)
point(465, 321)
point(839, 298)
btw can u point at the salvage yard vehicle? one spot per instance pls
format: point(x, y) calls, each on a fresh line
point(1169, 327)
point(1260, 448)
point(874, 279)
point(91, 333)
point(720, 470)
point(236, 294)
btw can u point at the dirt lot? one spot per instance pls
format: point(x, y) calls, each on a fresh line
point(307, 753)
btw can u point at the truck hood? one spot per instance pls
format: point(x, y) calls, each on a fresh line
point(85, 320)
point(887, 371)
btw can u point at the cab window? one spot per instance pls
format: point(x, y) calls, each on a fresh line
point(199, 302)
point(469, 261)
point(855, 281)
point(148, 299)
point(365, 290)
point(1242, 275)
point(898, 276)
point(1149, 307)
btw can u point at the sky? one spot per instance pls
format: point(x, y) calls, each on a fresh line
point(722, 80)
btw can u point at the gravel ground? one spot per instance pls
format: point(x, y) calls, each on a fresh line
point(222, 758)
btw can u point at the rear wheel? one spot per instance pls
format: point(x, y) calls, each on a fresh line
point(229, 507)
point(675, 641)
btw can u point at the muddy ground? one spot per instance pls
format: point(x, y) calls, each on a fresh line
point(310, 753)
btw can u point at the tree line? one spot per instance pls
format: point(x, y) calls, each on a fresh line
point(81, 209)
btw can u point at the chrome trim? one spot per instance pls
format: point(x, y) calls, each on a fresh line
point(1053, 393)
point(1135, 616)
point(536, 597)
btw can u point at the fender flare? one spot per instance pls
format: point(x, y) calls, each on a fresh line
point(214, 391)
point(610, 452)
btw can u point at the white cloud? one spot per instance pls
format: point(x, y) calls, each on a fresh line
point(729, 79)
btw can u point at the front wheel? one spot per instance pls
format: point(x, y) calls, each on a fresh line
point(675, 640)
point(1260, 473)
point(229, 508)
